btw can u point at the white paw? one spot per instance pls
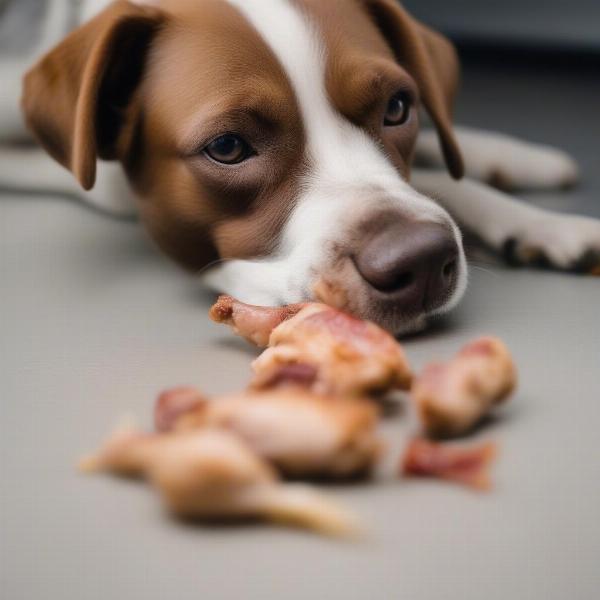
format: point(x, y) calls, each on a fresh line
point(511, 164)
point(565, 242)
point(533, 167)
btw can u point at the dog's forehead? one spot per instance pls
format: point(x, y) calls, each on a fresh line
point(229, 41)
point(346, 28)
point(343, 29)
point(210, 54)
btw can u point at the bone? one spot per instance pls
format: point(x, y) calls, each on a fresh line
point(452, 398)
point(467, 466)
point(253, 323)
point(302, 434)
point(213, 475)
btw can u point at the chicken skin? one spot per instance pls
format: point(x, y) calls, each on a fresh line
point(213, 475)
point(253, 323)
point(451, 398)
point(302, 434)
point(328, 351)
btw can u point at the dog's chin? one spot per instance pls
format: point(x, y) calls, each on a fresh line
point(411, 327)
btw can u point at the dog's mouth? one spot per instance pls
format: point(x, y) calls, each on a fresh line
point(394, 269)
point(382, 311)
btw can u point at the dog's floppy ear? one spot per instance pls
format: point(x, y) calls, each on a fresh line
point(431, 59)
point(75, 97)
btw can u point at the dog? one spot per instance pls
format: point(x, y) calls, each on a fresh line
point(269, 146)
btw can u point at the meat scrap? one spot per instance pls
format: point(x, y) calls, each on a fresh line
point(467, 466)
point(213, 475)
point(335, 352)
point(451, 398)
point(176, 405)
point(302, 434)
point(253, 323)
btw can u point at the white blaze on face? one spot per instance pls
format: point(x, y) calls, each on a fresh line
point(348, 175)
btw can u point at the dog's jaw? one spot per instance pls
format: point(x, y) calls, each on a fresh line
point(348, 179)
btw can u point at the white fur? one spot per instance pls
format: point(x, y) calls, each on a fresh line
point(489, 155)
point(497, 217)
point(349, 173)
point(111, 194)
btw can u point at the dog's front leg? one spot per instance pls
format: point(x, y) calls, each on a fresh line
point(503, 161)
point(30, 169)
point(523, 233)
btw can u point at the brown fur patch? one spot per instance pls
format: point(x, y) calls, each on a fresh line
point(199, 211)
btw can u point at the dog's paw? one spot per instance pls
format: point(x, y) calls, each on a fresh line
point(519, 166)
point(565, 242)
point(512, 164)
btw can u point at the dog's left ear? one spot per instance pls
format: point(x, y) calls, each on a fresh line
point(75, 98)
point(431, 59)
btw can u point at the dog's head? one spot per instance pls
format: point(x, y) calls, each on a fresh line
point(269, 143)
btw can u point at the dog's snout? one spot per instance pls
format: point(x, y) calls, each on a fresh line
point(416, 264)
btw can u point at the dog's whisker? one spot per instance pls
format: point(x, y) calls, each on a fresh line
point(214, 263)
point(483, 269)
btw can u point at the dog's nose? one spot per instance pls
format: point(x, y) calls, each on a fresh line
point(416, 264)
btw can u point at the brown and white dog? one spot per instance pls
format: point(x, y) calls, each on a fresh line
point(268, 145)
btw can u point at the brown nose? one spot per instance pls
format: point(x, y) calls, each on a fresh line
point(416, 264)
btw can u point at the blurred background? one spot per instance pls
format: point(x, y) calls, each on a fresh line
point(531, 68)
point(548, 25)
point(94, 321)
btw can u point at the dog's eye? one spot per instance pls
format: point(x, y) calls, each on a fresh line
point(228, 149)
point(398, 110)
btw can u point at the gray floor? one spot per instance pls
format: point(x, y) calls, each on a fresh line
point(94, 322)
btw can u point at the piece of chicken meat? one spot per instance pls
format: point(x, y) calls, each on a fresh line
point(213, 475)
point(253, 323)
point(452, 397)
point(467, 466)
point(299, 432)
point(320, 347)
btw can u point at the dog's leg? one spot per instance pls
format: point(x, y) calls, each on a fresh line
point(524, 234)
point(12, 127)
point(31, 170)
point(503, 161)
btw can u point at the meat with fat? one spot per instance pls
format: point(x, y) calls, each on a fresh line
point(213, 475)
point(301, 433)
point(451, 398)
point(330, 351)
point(467, 466)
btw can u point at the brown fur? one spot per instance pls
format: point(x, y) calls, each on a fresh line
point(136, 84)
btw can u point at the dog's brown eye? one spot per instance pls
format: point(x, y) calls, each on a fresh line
point(398, 110)
point(228, 149)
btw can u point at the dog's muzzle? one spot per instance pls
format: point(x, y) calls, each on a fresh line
point(414, 265)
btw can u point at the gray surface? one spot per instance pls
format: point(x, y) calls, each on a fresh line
point(94, 322)
point(20, 24)
point(551, 23)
